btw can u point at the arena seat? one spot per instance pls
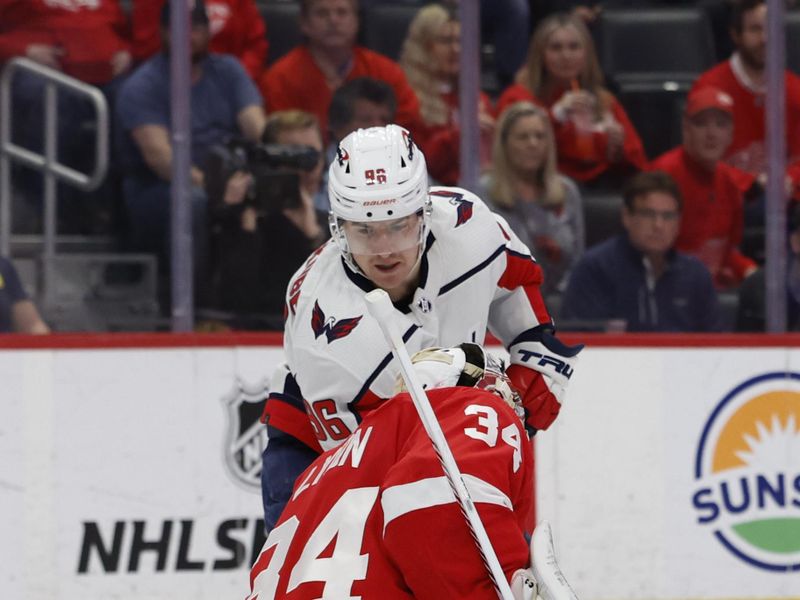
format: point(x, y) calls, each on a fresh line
point(283, 27)
point(384, 27)
point(651, 57)
point(650, 47)
point(656, 117)
point(601, 216)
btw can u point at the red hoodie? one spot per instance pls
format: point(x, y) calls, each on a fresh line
point(90, 32)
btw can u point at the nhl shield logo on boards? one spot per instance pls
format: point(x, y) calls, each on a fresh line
point(246, 435)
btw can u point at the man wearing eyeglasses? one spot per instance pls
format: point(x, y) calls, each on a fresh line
point(637, 280)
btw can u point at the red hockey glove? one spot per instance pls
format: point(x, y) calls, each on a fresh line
point(541, 367)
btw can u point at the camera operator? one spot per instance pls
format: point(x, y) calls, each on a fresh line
point(264, 223)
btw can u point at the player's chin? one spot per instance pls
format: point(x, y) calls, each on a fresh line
point(388, 275)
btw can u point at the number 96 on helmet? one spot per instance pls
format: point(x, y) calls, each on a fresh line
point(378, 188)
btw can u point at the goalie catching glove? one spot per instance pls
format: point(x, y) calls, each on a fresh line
point(541, 367)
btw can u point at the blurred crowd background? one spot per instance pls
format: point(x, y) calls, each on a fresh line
point(623, 141)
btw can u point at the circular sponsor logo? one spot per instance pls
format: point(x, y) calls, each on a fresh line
point(747, 472)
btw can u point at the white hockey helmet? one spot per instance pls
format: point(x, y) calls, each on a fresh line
point(378, 174)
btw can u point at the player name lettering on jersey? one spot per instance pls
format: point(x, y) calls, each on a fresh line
point(294, 287)
point(353, 448)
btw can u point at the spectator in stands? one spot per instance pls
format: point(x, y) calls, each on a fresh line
point(87, 41)
point(236, 28)
point(17, 312)
point(225, 103)
point(743, 77)
point(360, 103)
point(638, 278)
point(504, 23)
point(260, 247)
point(307, 76)
point(713, 192)
point(752, 309)
point(597, 143)
point(430, 59)
point(543, 207)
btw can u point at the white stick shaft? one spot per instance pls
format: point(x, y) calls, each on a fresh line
point(381, 308)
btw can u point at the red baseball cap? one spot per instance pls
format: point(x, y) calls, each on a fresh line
point(708, 98)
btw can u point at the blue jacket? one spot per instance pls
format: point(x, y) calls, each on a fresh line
point(610, 282)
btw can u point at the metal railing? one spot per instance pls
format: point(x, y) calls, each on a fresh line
point(47, 164)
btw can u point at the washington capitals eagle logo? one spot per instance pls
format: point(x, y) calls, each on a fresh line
point(463, 207)
point(332, 328)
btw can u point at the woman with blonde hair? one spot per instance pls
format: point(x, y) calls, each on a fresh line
point(541, 206)
point(596, 140)
point(430, 59)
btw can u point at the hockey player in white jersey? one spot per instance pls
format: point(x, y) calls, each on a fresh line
point(452, 269)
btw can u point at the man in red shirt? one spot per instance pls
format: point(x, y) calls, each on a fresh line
point(743, 77)
point(713, 191)
point(236, 28)
point(308, 75)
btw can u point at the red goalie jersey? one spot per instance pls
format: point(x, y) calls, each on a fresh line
point(375, 518)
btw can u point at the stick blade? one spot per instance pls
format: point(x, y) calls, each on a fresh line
point(552, 583)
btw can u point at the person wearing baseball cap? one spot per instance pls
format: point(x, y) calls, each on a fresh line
point(709, 98)
point(743, 77)
point(713, 192)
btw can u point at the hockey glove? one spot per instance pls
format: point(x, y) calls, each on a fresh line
point(541, 367)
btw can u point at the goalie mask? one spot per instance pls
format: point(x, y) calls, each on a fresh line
point(378, 189)
point(466, 365)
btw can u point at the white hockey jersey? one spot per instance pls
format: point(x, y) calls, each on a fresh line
point(475, 274)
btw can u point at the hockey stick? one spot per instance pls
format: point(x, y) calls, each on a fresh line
point(380, 307)
point(552, 583)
